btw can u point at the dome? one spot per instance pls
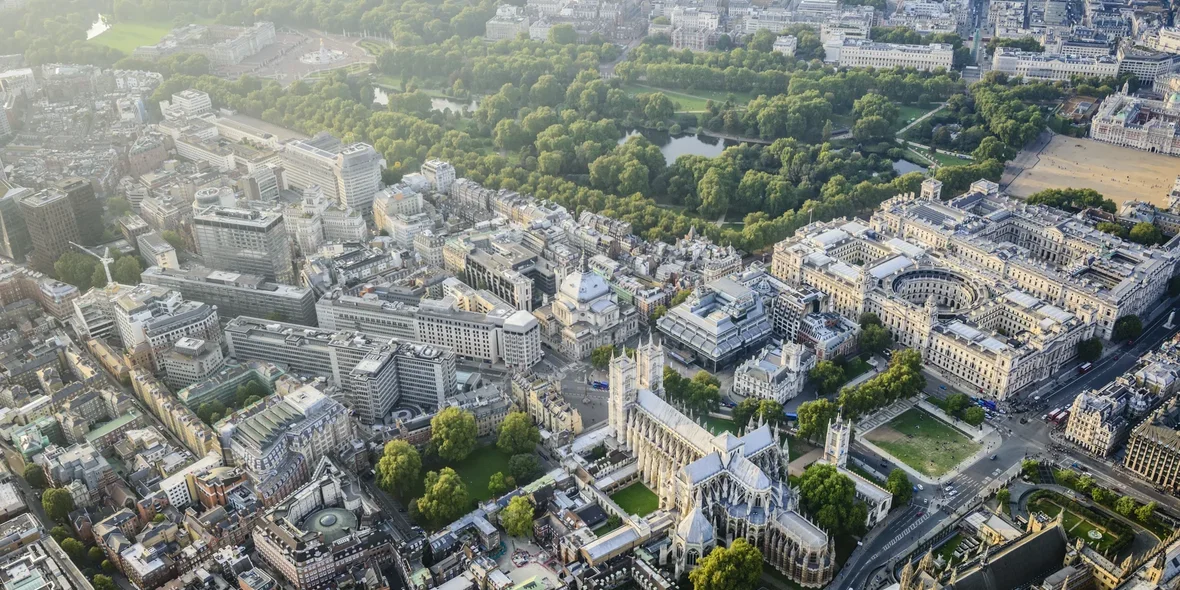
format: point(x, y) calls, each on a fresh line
point(695, 529)
point(584, 286)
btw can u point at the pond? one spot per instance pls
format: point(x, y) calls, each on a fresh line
point(98, 27)
point(906, 166)
point(381, 97)
point(684, 144)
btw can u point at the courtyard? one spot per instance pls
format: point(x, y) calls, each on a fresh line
point(1076, 526)
point(478, 468)
point(1119, 173)
point(636, 499)
point(923, 442)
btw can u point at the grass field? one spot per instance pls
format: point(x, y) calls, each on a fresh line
point(127, 36)
point(1075, 525)
point(923, 442)
point(636, 499)
point(941, 158)
point(907, 114)
point(691, 100)
point(719, 425)
point(947, 550)
point(478, 468)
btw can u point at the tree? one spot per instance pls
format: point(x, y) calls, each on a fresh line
point(1145, 512)
point(1003, 497)
point(736, 567)
point(1126, 505)
point(875, 105)
point(101, 582)
point(956, 403)
point(126, 270)
point(58, 504)
point(1174, 286)
point(174, 239)
point(674, 385)
point(518, 434)
point(453, 433)
point(600, 357)
point(872, 129)
point(658, 312)
point(899, 485)
point(814, 418)
point(680, 297)
point(95, 555)
point(827, 376)
point(445, 498)
point(498, 484)
point(108, 567)
point(1089, 350)
point(869, 318)
point(517, 517)
point(1101, 495)
point(1072, 199)
point(76, 269)
point(35, 476)
point(829, 497)
point(118, 206)
point(974, 415)
point(60, 533)
point(159, 517)
point(563, 34)
point(1030, 468)
point(1112, 228)
point(523, 467)
point(1145, 233)
point(399, 468)
point(76, 550)
point(1128, 327)
point(874, 339)
point(771, 411)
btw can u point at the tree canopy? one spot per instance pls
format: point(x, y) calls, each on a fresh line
point(445, 497)
point(517, 517)
point(829, 497)
point(518, 434)
point(399, 468)
point(453, 433)
point(728, 568)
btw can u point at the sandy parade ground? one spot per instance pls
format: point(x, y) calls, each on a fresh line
point(1119, 173)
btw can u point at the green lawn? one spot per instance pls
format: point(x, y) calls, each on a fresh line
point(907, 114)
point(799, 447)
point(691, 100)
point(126, 36)
point(941, 158)
point(923, 442)
point(947, 551)
point(373, 47)
point(1076, 526)
point(636, 499)
point(607, 527)
point(478, 468)
point(854, 367)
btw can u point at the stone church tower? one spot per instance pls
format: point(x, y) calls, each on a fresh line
point(650, 360)
point(624, 389)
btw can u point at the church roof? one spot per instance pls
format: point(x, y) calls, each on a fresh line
point(703, 468)
point(584, 286)
point(727, 442)
point(675, 421)
point(809, 535)
point(758, 439)
point(748, 474)
point(1019, 563)
point(695, 528)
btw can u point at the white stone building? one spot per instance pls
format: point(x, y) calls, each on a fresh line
point(776, 373)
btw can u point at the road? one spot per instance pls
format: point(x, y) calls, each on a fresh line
point(1019, 441)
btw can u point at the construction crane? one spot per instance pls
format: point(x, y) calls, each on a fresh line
point(105, 259)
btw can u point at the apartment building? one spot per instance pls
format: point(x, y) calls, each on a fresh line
point(51, 224)
point(1052, 66)
point(859, 53)
point(1096, 420)
point(1153, 450)
point(349, 175)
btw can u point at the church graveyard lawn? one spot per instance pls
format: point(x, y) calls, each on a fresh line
point(923, 442)
point(947, 550)
point(636, 499)
point(718, 425)
point(478, 468)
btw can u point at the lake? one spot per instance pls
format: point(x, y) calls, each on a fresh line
point(906, 166)
point(99, 27)
point(381, 97)
point(684, 144)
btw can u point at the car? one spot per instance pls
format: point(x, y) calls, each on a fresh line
point(994, 457)
point(953, 493)
point(921, 513)
point(942, 387)
point(920, 488)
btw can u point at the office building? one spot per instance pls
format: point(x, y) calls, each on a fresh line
point(372, 388)
point(1141, 123)
point(279, 441)
point(508, 23)
point(776, 373)
point(190, 318)
point(440, 174)
point(191, 103)
point(49, 217)
point(222, 384)
point(425, 373)
point(242, 240)
point(1147, 65)
point(132, 307)
point(859, 53)
point(1096, 420)
point(1153, 450)
point(14, 235)
point(718, 324)
point(321, 530)
point(189, 361)
point(349, 175)
point(87, 209)
point(236, 293)
point(1052, 66)
point(157, 251)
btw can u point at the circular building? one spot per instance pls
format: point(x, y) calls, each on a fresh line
point(332, 523)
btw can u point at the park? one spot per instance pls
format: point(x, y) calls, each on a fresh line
point(923, 442)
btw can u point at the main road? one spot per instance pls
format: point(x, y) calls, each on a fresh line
point(1020, 440)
